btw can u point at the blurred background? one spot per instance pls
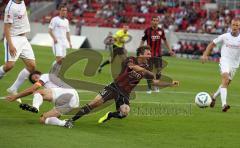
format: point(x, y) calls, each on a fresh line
point(189, 24)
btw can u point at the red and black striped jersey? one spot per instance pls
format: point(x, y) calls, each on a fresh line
point(128, 78)
point(154, 39)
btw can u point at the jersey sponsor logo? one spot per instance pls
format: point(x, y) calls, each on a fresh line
point(160, 32)
point(20, 16)
point(155, 37)
point(233, 46)
point(133, 74)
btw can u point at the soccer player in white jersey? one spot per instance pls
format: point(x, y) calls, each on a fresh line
point(229, 61)
point(60, 33)
point(16, 25)
point(64, 97)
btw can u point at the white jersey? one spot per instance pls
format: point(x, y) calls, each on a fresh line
point(16, 14)
point(51, 81)
point(60, 28)
point(230, 51)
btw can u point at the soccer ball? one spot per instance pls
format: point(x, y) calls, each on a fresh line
point(203, 99)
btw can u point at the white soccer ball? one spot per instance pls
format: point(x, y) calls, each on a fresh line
point(203, 99)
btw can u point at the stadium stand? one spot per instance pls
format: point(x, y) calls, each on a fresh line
point(191, 16)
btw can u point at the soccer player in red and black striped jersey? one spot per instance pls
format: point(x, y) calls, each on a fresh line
point(154, 37)
point(133, 70)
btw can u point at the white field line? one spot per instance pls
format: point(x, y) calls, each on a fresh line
point(161, 92)
point(143, 102)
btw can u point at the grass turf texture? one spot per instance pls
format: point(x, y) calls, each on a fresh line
point(178, 123)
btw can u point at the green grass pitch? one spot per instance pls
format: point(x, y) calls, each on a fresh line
point(165, 119)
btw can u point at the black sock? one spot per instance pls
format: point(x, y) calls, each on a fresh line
point(158, 76)
point(83, 111)
point(149, 83)
point(105, 63)
point(115, 115)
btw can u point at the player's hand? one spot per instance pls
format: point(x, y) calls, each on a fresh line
point(11, 98)
point(12, 50)
point(172, 53)
point(55, 41)
point(204, 58)
point(175, 83)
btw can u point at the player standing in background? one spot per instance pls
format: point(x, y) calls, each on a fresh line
point(16, 25)
point(64, 97)
point(229, 61)
point(154, 37)
point(60, 33)
point(120, 38)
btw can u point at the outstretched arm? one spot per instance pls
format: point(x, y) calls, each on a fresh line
point(24, 93)
point(148, 74)
point(164, 84)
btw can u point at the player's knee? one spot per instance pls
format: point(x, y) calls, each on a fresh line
point(124, 110)
point(31, 67)
point(42, 119)
point(225, 80)
point(8, 66)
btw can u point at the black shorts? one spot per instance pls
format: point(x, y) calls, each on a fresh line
point(117, 51)
point(112, 92)
point(155, 62)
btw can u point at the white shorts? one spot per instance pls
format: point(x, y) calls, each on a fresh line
point(65, 99)
point(225, 67)
point(59, 50)
point(23, 47)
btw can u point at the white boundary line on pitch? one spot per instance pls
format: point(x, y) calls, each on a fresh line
point(144, 102)
point(161, 92)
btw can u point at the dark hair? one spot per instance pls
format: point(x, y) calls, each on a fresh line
point(63, 5)
point(153, 17)
point(31, 74)
point(141, 50)
point(236, 19)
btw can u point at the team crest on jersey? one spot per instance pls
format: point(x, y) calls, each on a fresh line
point(160, 32)
point(20, 16)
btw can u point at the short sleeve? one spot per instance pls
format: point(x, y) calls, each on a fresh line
point(163, 35)
point(52, 24)
point(44, 78)
point(117, 34)
point(144, 37)
point(219, 39)
point(8, 15)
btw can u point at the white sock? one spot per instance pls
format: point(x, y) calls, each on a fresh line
point(37, 100)
point(20, 79)
point(2, 72)
point(223, 96)
point(55, 121)
point(217, 92)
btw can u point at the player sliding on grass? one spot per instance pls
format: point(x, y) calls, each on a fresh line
point(133, 70)
point(56, 91)
point(229, 61)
